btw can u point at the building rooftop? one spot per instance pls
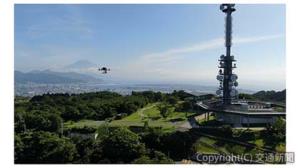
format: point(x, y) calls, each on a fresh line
point(253, 108)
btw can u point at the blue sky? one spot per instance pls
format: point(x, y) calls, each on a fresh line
point(154, 43)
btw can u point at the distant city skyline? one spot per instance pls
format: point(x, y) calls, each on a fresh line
point(154, 43)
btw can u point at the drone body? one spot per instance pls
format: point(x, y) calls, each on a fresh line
point(104, 70)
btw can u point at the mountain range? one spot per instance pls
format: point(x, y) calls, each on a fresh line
point(53, 77)
point(81, 64)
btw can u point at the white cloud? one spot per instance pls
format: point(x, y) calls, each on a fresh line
point(173, 54)
point(256, 39)
point(159, 64)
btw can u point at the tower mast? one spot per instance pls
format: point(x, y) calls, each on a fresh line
point(226, 77)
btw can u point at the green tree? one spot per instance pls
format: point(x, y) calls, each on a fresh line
point(154, 157)
point(226, 130)
point(43, 147)
point(277, 131)
point(172, 100)
point(20, 125)
point(122, 145)
point(71, 113)
point(43, 121)
point(187, 105)
point(103, 131)
point(84, 147)
point(165, 110)
point(19, 148)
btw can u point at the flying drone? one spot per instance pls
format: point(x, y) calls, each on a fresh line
point(104, 70)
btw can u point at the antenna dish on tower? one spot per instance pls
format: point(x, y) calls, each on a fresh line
point(233, 92)
point(233, 77)
point(219, 92)
point(220, 77)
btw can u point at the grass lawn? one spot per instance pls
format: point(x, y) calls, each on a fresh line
point(258, 142)
point(83, 123)
point(151, 114)
point(202, 148)
point(280, 147)
point(207, 145)
point(208, 140)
